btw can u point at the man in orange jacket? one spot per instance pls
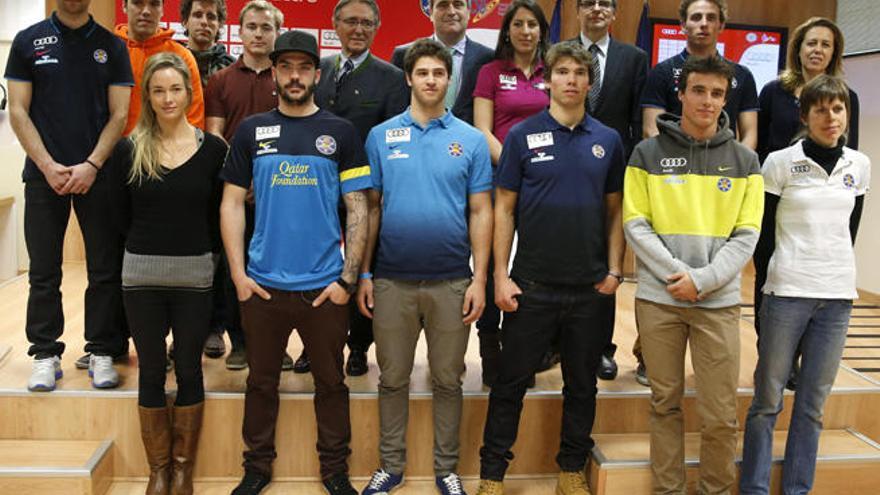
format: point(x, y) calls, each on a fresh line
point(144, 38)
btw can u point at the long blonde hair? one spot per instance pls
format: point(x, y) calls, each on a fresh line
point(145, 137)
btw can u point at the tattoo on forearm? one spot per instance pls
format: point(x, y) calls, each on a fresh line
point(356, 229)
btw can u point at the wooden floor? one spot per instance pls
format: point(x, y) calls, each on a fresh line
point(862, 351)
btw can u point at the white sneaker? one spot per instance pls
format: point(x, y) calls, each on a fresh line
point(44, 373)
point(102, 372)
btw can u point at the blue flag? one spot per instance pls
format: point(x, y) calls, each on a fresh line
point(644, 36)
point(556, 23)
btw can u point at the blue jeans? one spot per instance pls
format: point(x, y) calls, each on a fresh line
point(819, 326)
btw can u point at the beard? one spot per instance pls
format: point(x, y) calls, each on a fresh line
point(302, 100)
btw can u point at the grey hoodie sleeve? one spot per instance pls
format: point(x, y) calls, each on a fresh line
point(651, 251)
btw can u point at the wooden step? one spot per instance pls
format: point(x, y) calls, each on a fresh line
point(61, 467)
point(848, 463)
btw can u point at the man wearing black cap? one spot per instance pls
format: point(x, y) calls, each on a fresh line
point(300, 160)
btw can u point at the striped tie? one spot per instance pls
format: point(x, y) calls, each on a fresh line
point(597, 78)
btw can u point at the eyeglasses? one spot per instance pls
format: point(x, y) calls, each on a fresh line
point(353, 23)
point(602, 4)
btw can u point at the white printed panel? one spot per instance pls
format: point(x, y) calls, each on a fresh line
point(179, 31)
point(234, 30)
point(327, 52)
point(329, 38)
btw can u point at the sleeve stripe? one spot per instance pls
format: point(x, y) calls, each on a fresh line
point(354, 173)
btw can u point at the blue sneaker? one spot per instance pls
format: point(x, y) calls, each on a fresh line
point(450, 485)
point(382, 483)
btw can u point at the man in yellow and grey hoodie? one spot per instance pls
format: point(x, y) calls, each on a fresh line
point(692, 206)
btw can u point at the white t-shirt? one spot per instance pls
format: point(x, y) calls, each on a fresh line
point(814, 256)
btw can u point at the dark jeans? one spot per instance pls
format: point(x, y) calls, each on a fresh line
point(323, 330)
point(574, 317)
point(46, 216)
point(490, 320)
point(232, 314)
point(151, 313)
point(360, 334)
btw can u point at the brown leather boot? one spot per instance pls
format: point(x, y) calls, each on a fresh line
point(156, 435)
point(186, 427)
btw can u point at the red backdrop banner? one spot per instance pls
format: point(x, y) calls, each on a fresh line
point(402, 21)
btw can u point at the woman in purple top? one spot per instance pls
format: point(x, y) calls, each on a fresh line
point(511, 87)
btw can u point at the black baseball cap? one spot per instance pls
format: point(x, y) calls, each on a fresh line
point(296, 41)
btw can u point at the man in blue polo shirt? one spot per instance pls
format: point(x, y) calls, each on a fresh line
point(558, 185)
point(432, 177)
point(300, 160)
point(69, 86)
point(702, 21)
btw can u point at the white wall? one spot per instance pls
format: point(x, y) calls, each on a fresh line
point(863, 74)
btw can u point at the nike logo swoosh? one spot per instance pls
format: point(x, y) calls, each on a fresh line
point(40, 54)
point(724, 169)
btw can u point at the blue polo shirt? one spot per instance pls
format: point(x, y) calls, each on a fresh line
point(69, 71)
point(300, 167)
point(661, 89)
point(561, 176)
point(425, 175)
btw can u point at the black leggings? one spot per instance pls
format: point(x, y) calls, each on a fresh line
point(150, 315)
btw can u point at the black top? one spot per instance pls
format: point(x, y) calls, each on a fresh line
point(175, 216)
point(69, 71)
point(779, 119)
point(661, 89)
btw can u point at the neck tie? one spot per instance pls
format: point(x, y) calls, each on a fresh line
point(452, 90)
point(597, 77)
point(347, 68)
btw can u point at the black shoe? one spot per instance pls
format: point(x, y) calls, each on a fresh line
point(357, 363)
point(531, 382)
point(339, 484)
point(302, 364)
point(215, 347)
point(490, 355)
point(607, 368)
point(83, 362)
point(252, 484)
point(550, 359)
point(642, 375)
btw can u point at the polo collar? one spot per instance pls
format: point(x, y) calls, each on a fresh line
point(83, 31)
point(445, 121)
point(585, 125)
point(510, 66)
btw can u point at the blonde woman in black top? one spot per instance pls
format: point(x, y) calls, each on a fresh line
point(166, 201)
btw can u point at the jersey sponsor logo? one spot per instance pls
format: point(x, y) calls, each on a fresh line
point(670, 162)
point(40, 53)
point(326, 144)
point(724, 184)
point(45, 59)
point(598, 151)
point(268, 132)
point(455, 149)
point(100, 56)
point(507, 82)
point(675, 180)
point(800, 169)
point(849, 181)
point(539, 140)
point(45, 41)
point(542, 157)
point(266, 147)
point(397, 155)
point(293, 174)
point(398, 135)
point(725, 169)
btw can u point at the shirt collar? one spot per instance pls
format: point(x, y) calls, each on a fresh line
point(602, 43)
point(357, 61)
point(83, 31)
point(458, 47)
point(510, 66)
point(585, 125)
point(406, 119)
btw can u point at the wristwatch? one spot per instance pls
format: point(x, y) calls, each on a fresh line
point(349, 288)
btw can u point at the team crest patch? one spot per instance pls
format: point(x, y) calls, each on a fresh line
point(326, 144)
point(849, 181)
point(724, 184)
point(598, 151)
point(100, 56)
point(455, 149)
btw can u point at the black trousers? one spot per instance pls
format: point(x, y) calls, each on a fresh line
point(573, 316)
point(46, 216)
point(151, 313)
point(230, 314)
point(490, 320)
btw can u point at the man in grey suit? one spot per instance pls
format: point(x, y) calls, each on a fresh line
point(450, 18)
point(620, 71)
point(366, 91)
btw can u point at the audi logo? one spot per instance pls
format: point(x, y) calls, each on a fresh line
point(800, 169)
point(673, 162)
point(48, 40)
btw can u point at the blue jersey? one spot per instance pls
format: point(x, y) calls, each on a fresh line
point(300, 167)
point(425, 175)
point(561, 176)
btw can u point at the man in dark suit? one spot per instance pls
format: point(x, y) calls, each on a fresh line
point(367, 91)
point(450, 18)
point(620, 71)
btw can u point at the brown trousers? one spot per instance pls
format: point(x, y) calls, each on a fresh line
point(267, 327)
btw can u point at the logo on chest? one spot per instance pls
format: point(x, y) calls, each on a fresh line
point(537, 143)
point(507, 82)
point(849, 181)
point(326, 144)
point(397, 154)
point(268, 132)
point(266, 147)
point(455, 149)
point(398, 135)
point(292, 175)
point(100, 56)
